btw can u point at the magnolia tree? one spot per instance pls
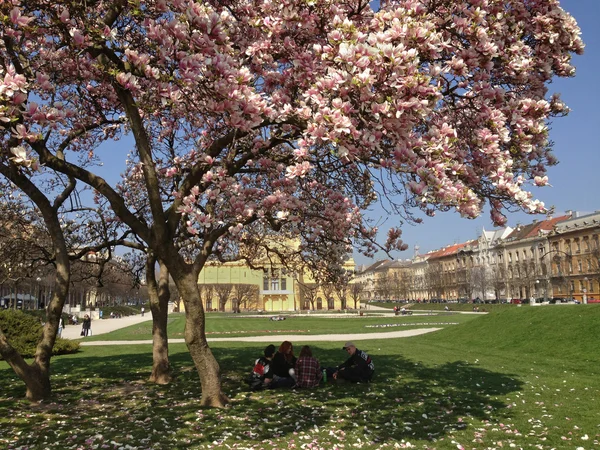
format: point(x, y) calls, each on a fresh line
point(46, 220)
point(253, 117)
point(40, 237)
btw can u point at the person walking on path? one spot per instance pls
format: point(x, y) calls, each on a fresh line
point(143, 311)
point(61, 325)
point(86, 328)
point(357, 368)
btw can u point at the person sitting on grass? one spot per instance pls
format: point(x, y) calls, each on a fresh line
point(256, 380)
point(357, 368)
point(308, 372)
point(281, 370)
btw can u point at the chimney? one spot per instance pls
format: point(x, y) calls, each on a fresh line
point(569, 212)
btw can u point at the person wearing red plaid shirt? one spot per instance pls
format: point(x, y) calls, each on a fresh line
point(308, 370)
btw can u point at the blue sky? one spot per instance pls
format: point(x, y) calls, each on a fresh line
point(575, 180)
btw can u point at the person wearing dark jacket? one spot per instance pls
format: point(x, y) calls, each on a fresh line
point(358, 367)
point(281, 369)
point(86, 328)
point(256, 380)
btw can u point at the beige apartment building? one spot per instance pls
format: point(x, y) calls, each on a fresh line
point(554, 258)
point(521, 272)
point(573, 256)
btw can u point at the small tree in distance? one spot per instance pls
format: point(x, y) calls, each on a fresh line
point(246, 296)
point(356, 292)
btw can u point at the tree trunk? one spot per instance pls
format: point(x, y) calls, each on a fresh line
point(195, 338)
point(159, 300)
point(37, 375)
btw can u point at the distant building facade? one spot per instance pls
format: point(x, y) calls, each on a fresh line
point(555, 258)
point(234, 286)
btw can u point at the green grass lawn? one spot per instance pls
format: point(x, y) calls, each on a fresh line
point(519, 378)
point(233, 325)
point(437, 307)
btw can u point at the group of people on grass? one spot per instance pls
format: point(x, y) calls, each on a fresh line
point(281, 368)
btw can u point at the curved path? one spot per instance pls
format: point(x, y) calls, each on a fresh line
point(282, 337)
point(108, 325)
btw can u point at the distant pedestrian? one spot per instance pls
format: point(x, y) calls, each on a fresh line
point(86, 327)
point(61, 325)
point(143, 311)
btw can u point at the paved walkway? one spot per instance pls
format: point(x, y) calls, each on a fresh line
point(102, 326)
point(107, 325)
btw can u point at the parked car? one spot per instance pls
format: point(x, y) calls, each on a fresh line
point(516, 301)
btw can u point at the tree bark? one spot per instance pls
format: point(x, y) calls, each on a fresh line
point(37, 375)
point(159, 300)
point(195, 339)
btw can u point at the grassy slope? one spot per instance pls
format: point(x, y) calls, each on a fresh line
point(568, 332)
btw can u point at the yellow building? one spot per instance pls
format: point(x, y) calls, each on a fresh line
point(234, 286)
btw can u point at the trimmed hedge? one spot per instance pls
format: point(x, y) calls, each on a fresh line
point(24, 331)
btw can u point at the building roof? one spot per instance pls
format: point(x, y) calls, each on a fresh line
point(386, 264)
point(449, 250)
point(578, 222)
point(492, 237)
point(535, 229)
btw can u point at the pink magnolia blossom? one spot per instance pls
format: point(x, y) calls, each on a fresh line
point(19, 20)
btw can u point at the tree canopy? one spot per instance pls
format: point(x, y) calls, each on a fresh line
point(289, 116)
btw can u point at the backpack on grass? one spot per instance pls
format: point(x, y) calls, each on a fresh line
point(257, 376)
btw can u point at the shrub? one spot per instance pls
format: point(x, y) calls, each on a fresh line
point(24, 331)
point(40, 314)
point(65, 347)
point(121, 311)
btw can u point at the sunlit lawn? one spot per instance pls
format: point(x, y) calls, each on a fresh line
point(456, 388)
point(233, 325)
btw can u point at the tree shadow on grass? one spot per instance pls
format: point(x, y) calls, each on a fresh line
point(405, 400)
point(102, 398)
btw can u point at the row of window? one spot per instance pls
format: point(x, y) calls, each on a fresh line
point(274, 281)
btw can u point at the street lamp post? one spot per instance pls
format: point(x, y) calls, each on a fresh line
point(585, 283)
